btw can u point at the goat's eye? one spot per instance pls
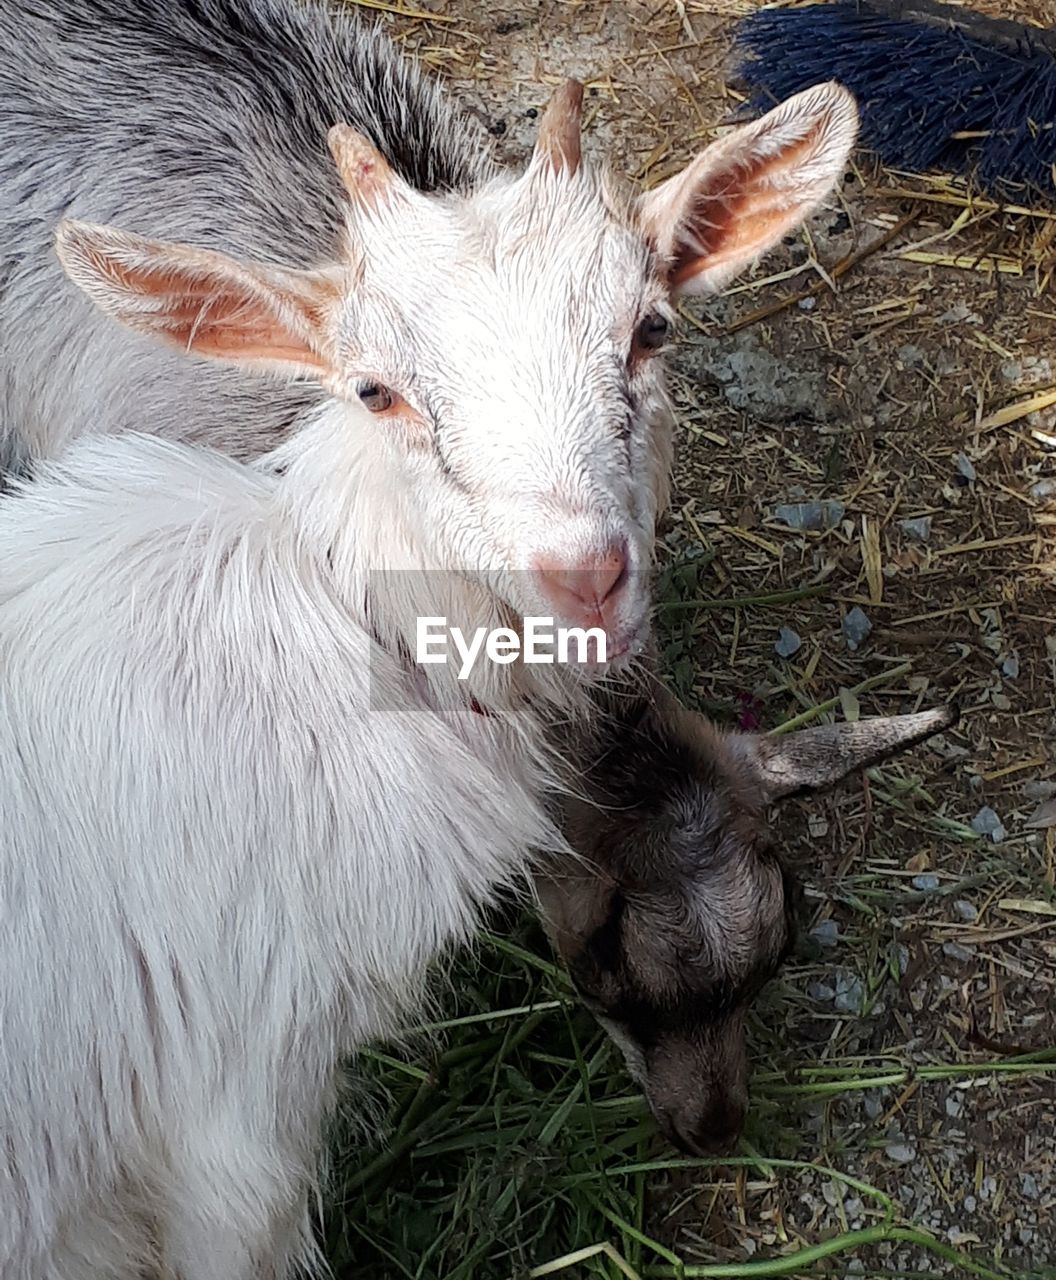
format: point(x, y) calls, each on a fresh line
point(652, 331)
point(376, 398)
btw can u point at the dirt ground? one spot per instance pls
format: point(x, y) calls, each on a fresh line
point(933, 942)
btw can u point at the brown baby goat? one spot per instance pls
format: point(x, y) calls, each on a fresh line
point(683, 908)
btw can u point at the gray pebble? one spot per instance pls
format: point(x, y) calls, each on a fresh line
point(856, 628)
point(987, 823)
point(926, 883)
point(849, 992)
point(1026, 1235)
point(900, 1152)
point(873, 1106)
point(826, 933)
point(1010, 667)
point(964, 467)
point(964, 910)
point(810, 515)
point(821, 991)
point(956, 951)
point(807, 304)
point(954, 1105)
point(970, 1204)
point(1030, 1186)
point(787, 643)
point(1043, 489)
point(918, 529)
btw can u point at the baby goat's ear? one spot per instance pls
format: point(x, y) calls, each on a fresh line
point(812, 759)
point(204, 302)
point(740, 195)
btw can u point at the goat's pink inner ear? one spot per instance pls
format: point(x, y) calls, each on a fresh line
point(203, 302)
point(739, 196)
point(559, 143)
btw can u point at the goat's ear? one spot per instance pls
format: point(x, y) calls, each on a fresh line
point(740, 195)
point(203, 302)
point(813, 759)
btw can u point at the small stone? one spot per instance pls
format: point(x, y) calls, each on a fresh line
point(821, 991)
point(959, 313)
point(1010, 667)
point(958, 1237)
point(965, 468)
point(956, 951)
point(917, 529)
point(964, 910)
point(873, 1106)
point(807, 304)
point(1030, 1186)
point(900, 1152)
point(856, 628)
point(954, 1105)
point(849, 992)
point(817, 826)
point(787, 643)
point(1026, 1235)
point(987, 823)
point(811, 516)
point(830, 1193)
point(926, 883)
point(970, 1204)
point(1043, 817)
point(826, 933)
point(1043, 489)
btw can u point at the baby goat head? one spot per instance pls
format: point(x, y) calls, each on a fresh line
point(682, 907)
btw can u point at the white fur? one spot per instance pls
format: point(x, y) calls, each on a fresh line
point(235, 827)
point(243, 828)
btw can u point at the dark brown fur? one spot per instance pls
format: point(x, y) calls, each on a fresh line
point(683, 908)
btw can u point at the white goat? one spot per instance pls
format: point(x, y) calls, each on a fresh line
point(237, 824)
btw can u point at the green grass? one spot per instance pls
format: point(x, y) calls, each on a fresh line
point(512, 1144)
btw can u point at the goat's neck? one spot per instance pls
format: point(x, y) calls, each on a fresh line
point(341, 487)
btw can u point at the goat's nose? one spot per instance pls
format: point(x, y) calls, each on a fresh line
point(585, 585)
point(715, 1133)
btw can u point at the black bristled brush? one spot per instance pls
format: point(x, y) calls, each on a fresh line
point(939, 86)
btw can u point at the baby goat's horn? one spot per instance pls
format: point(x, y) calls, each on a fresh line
point(558, 143)
point(364, 170)
point(812, 759)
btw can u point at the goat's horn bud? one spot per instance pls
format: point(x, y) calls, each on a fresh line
point(364, 170)
point(558, 143)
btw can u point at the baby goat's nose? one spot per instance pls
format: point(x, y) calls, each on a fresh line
point(713, 1134)
point(582, 588)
